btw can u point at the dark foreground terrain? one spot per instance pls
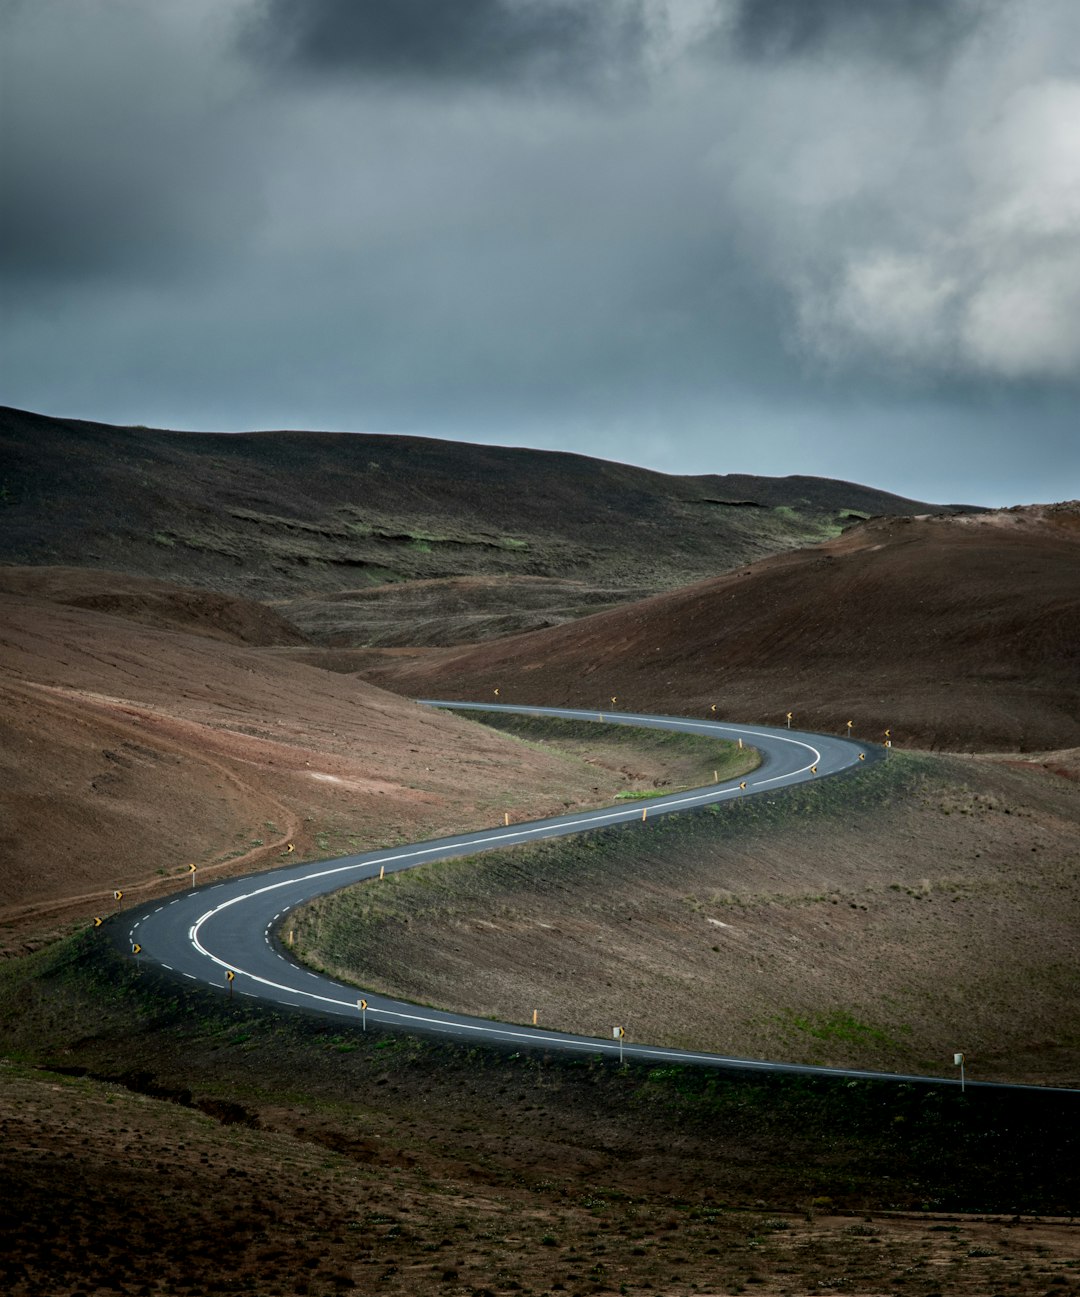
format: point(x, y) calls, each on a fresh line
point(157, 1140)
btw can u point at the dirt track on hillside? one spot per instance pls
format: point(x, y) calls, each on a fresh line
point(128, 752)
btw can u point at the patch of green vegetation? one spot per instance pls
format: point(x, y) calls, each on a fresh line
point(839, 1025)
point(420, 546)
point(640, 794)
point(512, 542)
point(553, 730)
point(204, 542)
point(160, 538)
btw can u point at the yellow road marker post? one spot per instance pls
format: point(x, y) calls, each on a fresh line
point(362, 1006)
point(618, 1033)
point(789, 720)
point(506, 818)
point(536, 1015)
point(644, 812)
point(98, 921)
point(382, 872)
point(813, 770)
point(192, 870)
point(118, 896)
point(230, 977)
point(743, 784)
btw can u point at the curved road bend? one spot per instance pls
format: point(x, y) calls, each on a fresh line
point(234, 925)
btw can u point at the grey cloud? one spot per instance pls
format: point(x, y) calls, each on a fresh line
point(789, 256)
point(123, 151)
point(914, 32)
point(502, 42)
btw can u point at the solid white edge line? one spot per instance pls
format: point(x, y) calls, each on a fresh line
point(709, 794)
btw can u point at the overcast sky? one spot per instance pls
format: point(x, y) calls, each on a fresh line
point(773, 236)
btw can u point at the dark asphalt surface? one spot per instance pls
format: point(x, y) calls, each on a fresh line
point(235, 925)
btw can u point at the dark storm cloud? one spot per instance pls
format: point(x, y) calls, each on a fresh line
point(121, 153)
point(573, 42)
point(915, 32)
point(833, 237)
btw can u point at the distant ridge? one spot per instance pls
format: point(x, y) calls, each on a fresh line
point(278, 514)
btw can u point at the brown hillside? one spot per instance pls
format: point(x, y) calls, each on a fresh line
point(959, 633)
point(128, 751)
point(154, 603)
point(454, 610)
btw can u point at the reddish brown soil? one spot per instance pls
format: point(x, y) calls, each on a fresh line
point(153, 603)
point(956, 633)
point(127, 752)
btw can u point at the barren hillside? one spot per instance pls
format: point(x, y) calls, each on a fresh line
point(296, 514)
point(128, 751)
point(959, 633)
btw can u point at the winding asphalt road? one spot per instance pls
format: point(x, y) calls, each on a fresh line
point(234, 926)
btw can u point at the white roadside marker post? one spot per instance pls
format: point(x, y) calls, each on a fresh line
point(958, 1061)
point(618, 1033)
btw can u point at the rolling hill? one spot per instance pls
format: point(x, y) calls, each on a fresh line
point(960, 633)
point(292, 515)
